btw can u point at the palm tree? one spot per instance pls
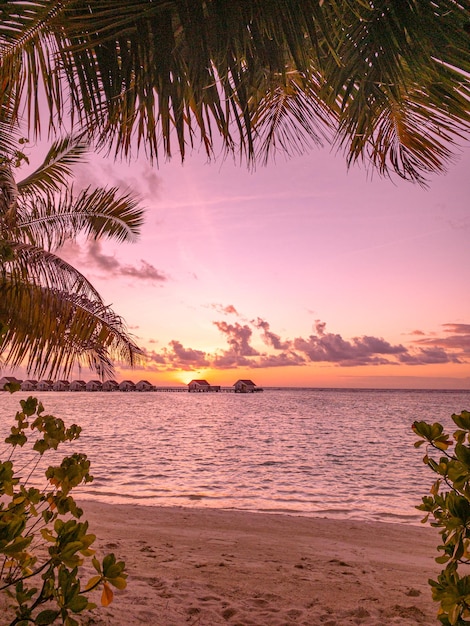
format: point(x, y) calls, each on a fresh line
point(51, 316)
point(385, 82)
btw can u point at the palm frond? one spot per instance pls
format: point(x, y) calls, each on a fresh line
point(164, 74)
point(289, 117)
point(8, 137)
point(409, 138)
point(51, 316)
point(109, 213)
point(8, 195)
point(54, 172)
point(50, 222)
point(28, 49)
point(51, 331)
point(402, 87)
point(29, 264)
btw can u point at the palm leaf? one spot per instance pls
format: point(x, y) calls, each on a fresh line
point(403, 98)
point(28, 264)
point(9, 195)
point(51, 331)
point(165, 74)
point(50, 222)
point(54, 172)
point(28, 51)
point(290, 117)
point(51, 316)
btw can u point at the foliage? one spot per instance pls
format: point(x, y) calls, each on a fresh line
point(448, 507)
point(387, 82)
point(43, 546)
point(51, 316)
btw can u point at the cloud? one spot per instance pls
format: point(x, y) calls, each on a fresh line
point(238, 338)
point(319, 347)
point(174, 357)
point(183, 357)
point(154, 357)
point(110, 265)
point(284, 359)
point(231, 360)
point(332, 348)
point(428, 356)
point(270, 338)
point(146, 271)
point(240, 351)
point(226, 310)
point(455, 343)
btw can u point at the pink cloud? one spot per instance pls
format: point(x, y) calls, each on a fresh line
point(226, 310)
point(284, 359)
point(332, 348)
point(270, 338)
point(428, 356)
point(322, 347)
point(455, 343)
point(238, 337)
point(183, 357)
point(109, 264)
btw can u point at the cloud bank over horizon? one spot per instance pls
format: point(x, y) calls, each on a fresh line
point(253, 344)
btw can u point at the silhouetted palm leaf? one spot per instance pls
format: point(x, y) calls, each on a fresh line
point(51, 316)
point(71, 329)
point(168, 73)
point(55, 171)
point(101, 212)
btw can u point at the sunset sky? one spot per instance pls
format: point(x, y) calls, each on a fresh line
point(300, 273)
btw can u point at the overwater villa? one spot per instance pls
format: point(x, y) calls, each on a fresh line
point(246, 386)
point(6, 380)
point(45, 385)
point(29, 385)
point(60, 385)
point(144, 385)
point(94, 385)
point(110, 385)
point(202, 386)
point(127, 385)
point(77, 385)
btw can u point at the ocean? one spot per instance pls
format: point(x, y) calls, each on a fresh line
point(316, 452)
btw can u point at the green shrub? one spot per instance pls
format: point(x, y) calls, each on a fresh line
point(448, 508)
point(43, 546)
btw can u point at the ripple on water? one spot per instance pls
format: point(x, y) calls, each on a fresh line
point(337, 453)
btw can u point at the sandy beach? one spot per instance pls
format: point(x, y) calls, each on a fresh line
point(209, 567)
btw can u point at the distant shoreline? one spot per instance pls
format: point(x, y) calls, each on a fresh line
point(183, 389)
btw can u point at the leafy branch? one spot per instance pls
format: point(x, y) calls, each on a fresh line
point(42, 543)
point(448, 507)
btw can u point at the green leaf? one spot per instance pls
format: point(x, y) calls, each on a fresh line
point(119, 582)
point(78, 604)
point(29, 406)
point(442, 559)
point(462, 452)
point(47, 617)
point(462, 420)
point(12, 387)
point(18, 545)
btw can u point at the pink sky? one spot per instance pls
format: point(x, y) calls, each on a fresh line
point(300, 273)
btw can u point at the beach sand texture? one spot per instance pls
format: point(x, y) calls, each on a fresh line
point(206, 567)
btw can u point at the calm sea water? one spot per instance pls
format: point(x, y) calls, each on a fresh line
point(334, 453)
